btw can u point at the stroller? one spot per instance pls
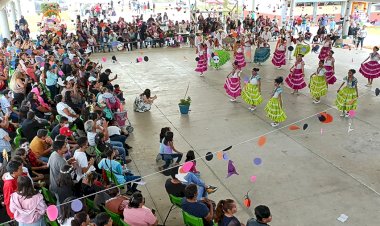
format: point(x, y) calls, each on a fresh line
point(121, 118)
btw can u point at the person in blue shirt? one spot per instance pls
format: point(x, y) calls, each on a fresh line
point(122, 175)
point(51, 79)
point(201, 209)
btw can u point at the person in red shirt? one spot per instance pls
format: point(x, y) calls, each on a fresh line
point(32, 159)
point(14, 170)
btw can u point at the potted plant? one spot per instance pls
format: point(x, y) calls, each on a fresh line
point(184, 105)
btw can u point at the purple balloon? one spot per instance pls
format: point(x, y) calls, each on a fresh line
point(257, 161)
point(29, 52)
point(66, 61)
point(76, 205)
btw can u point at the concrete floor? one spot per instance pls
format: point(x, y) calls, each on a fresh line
point(306, 178)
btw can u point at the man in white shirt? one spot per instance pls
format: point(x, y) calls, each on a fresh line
point(6, 106)
point(83, 165)
point(266, 35)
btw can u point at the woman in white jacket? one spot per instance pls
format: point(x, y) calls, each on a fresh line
point(27, 204)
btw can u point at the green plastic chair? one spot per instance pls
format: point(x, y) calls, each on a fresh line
point(51, 223)
point(91, 205)
point(190, 220)
point(48, 196)
point(116, 218)
point(111, 177)
point(58, 118)
point(176, 202)
point(16, 141)
point(19, 132)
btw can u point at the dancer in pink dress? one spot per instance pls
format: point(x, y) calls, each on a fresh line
point(295, 79)
point(371, 69)
point(326, 48)
point(239, 55)
point(232, 85)
point(202, 61)
point(278, 59)
point(329, 65)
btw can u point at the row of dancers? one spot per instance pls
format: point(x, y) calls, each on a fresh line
point(346, 100)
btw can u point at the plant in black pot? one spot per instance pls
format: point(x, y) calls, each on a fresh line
point(184, 105)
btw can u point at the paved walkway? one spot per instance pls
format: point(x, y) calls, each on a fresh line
point(306, 178)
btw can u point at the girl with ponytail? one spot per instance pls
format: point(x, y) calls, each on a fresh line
point(225, 211)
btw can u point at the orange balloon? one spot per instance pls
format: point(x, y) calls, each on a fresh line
point(61, 51)
point(219, 155)
point(59, 33)
point(262, 140)
point(247, 202)
point(294, 127)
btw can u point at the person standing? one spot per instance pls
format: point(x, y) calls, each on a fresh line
point(252, 91)
point(347, 97)
point(362, 34)
point(274, 107)
point(232, 84)
point(27, 204)
point(371, 69)
point(318, 83)
point(279, 58)
point(295, 79)
point(329, 64)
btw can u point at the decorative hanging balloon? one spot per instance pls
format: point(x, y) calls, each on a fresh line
point(247, 200)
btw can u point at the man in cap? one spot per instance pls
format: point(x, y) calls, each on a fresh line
point(104, 78)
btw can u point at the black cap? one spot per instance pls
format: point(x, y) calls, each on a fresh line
point(108, 70)
point(255, 69)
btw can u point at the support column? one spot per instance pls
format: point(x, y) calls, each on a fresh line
point(292, 7)
point(13, 12)
point(347, 19)
point(343, 8)
point(369, 9)
point(315, 8)
point(5, 33)
point(18, 9)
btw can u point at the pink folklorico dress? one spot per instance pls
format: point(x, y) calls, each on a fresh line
point(371, 69)
point(239, 58)
point(325, 50)
point(202, 62)
point(278, 59)
point(330, 77)
point(232, 85)
point(295, 79)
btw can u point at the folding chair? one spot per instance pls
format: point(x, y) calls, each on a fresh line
point(49, 197)
point(190, 220)
point(176, 202)
point(116, 218)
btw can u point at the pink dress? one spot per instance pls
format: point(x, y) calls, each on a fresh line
point(279, 56)
point(232, 85)
point(295, 79)
point(325, 50)
point(331, 79)
point(239, 58)
point(202, 62)
point(371, 69)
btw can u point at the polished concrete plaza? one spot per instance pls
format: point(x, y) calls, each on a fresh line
point(307, 177)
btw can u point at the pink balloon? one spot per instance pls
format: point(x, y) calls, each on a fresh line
point(60, 73)
point(187, 166)
point(140, 59)
point(52, 212)
point(351, 113)
point(7, 54)
point(42, 64)
point(253, 179)
point(104, 59)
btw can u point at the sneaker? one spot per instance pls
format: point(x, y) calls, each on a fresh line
point(128, 147)
point(274, 124)
point(253, 108)
point(211, 189)
point(316, 101)
point(342, 114)
point(279, 68)
point(232, 100)
point(128, 161)
point(250, 108)
point(346, 115)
